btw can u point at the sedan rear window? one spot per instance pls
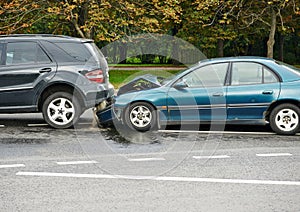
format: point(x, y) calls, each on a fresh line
point(289, 67)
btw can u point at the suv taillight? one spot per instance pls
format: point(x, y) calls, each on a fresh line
point(95, 76)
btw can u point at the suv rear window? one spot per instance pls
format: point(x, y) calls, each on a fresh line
point(69, 51)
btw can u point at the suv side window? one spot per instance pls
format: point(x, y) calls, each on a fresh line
point(1, 52)
point(76, 50)
point(65, 52)
point(25, 53)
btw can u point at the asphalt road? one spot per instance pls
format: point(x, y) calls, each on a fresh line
point(93, 169)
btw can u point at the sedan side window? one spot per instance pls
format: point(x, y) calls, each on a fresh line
point(269, 76)
point(247, 73)
point(207, 76)
point(25, 53)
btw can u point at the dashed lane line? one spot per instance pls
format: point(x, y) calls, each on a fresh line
point(160, 178)
point(273, 154)
point(37, 125)
point(76, 162)
point(145, 159)
point(44, 124)
point(211, 157)
point(11, 166)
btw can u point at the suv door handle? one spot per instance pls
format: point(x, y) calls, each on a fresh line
point(45, 70)
point(267, 92)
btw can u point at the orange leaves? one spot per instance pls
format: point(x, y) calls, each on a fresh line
point(54, 10)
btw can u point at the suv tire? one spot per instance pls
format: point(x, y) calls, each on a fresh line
point(61, 110)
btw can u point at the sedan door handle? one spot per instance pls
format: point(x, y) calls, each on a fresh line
point(45, 70)
point(267, 92)
point(218, 94)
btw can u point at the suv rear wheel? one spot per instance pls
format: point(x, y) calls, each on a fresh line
point(61, 110)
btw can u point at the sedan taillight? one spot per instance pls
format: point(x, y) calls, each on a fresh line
point(95, 76)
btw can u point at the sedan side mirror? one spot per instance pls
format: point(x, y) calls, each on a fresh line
point(180, 85)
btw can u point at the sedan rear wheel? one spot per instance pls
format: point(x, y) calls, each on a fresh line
point(141, 116)
point(284, 119)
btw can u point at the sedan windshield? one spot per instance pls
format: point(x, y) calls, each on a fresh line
point(167, 80)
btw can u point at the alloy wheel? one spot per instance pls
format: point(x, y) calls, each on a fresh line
point(287, 120)
point(61, 111)
point(140, 116)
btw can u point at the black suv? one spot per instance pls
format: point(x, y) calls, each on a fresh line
point(59, 76)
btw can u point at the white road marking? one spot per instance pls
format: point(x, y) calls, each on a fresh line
point(84, 123)
point(273, 154)
point(37, 125)
point(11, 166)
point(76, 162)
point(211, 157)
point(218, 132)
point(155, 178)
point(145, 159)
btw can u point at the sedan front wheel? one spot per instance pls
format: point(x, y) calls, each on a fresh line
point(141, 116)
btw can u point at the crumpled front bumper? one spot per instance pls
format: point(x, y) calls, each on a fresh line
point(109, 115)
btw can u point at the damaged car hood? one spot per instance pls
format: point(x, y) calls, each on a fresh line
point(144, 82)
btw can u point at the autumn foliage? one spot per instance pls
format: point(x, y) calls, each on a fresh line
point(217, 27)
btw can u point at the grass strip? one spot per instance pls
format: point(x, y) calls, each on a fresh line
point(121, 77)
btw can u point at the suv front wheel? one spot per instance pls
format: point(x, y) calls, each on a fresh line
point(61, 110)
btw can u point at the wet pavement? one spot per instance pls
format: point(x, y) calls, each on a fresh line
point(113, 169)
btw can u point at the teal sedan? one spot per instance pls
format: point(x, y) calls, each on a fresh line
point(237, 90)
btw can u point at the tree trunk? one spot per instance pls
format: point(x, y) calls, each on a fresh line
point(281, 44)
point(77, 28)
point(271, 40)
point(220, 48)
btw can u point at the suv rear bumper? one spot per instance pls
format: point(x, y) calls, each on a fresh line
point(94, 98)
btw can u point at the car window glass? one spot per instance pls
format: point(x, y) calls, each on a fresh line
point(41, 57)
point(25, 53)
point(269, 76)
point(77, 51)
point(1, 51)
point(245, 73)
point(211, 75)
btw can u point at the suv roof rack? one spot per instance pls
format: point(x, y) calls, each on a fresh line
point(36, 35)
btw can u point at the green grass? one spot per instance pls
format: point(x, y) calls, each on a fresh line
point(119, 77)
